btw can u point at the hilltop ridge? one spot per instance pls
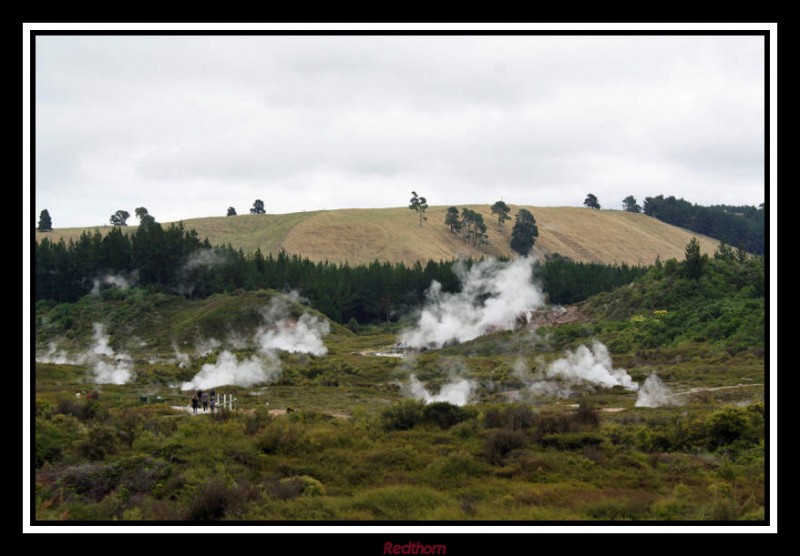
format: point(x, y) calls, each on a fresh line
point(393, 234)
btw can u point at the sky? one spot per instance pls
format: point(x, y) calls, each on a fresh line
point(187, 126)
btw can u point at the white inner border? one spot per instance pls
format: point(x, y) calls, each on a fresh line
point(465, 528)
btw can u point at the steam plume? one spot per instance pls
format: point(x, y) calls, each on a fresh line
point(280, 332)
point(457, 391)
point(109, 367)
point(229, 370)
point(493, 296)
point(115, 280)
point(654, 393)
point(283, 333)
point(591, 365)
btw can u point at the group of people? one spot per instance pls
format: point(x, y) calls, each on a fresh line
point(205, 398)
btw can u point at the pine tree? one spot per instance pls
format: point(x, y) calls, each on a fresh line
point(45, 222)
point(524, 233)
point(501, 210)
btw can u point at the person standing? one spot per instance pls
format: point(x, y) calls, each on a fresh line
point(194, 404)
point(205, 402)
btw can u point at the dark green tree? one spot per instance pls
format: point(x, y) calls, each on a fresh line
point(473, 227)
point(591, 201)
point(724, 252)
point(419, 204)
point(629, 204)
point(694, 260)
point(501, 210)
point(258, 207)
point(451, 219)
point(145, 219)
point(231, 211)
point(45, 222)
point(120, 218)
point(524, 233)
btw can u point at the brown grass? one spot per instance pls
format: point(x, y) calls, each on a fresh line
point(393, 234)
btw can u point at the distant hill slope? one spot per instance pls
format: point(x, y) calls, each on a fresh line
point(393, 234)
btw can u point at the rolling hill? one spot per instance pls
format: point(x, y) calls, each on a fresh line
point(393, 234)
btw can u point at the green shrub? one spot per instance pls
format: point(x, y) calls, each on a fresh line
point(102, 441)
point(402, 416)
point(283, 438)
point(499, 443)
point(91, 481)
point(725, 426)
point(454, 469)
point(445, 414)
point(512, 417)
point(399, 502)
point(210, 502)
point(571, 440)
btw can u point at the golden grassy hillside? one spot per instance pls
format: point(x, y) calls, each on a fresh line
point(393, 234)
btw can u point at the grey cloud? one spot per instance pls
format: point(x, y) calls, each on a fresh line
point(141, 120)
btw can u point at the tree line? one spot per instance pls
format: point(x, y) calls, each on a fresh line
point(740, 226)
point(175, 260)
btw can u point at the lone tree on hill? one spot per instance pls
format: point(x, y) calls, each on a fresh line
point(629, 204)
point(524, 232)
point(591, 201)
point(501, 210)
point(120, 218)
point(45, 222)
point(258, 207)
point(231, 211)
point(419, 204)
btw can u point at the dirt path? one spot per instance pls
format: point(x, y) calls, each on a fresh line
point(712, 389)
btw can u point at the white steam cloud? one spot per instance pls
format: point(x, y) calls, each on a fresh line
point(458, 391)
point(229, 370)
point(591, 365)
point(493, 296)
point(584, 367)
point(54, 355)
point(204, 258)
point(181, 359)
point(115, 280)
point(280, 332)
point(654, 393)
point(303, 335)
point(197, 260)
point(109, 367)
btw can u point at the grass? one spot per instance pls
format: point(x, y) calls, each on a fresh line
point(393, 234)
point(120, 458)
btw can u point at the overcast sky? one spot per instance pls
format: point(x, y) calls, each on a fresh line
point(188, 126)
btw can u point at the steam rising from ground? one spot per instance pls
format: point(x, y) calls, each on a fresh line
point(181, 359)
point(580, 368)
point(54, 355)
point(654, 393)
point(591, 365)
point(109, 367)
point(115, 280)
point(229, 370)
point(457, 391)
point(200, 259)
point(280, 332)
point(493, 296)
point(301, 336)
